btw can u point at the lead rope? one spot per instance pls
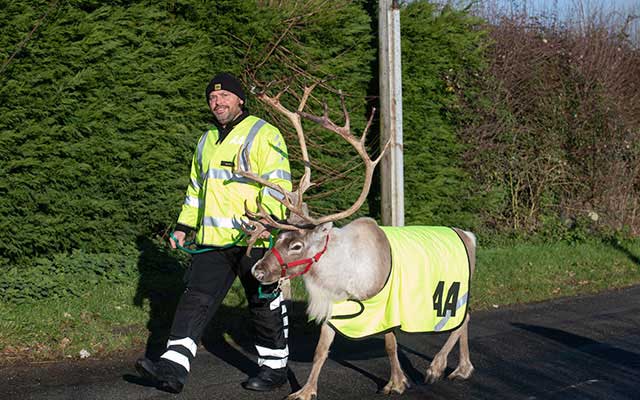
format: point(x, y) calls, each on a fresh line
point(275, 293)
point(270, 296)
point(204, 250)
point(261, 295)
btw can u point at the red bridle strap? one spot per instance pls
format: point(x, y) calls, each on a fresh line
point(308, 261)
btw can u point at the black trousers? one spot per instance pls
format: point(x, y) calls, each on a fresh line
point(209, 279)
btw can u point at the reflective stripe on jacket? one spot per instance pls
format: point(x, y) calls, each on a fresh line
point(214, 203)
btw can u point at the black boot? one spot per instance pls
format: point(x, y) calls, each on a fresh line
point(164, 374)
point(267, 379)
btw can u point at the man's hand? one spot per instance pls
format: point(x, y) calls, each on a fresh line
point(178, 235)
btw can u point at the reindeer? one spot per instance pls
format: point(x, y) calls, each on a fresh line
point(339, 264)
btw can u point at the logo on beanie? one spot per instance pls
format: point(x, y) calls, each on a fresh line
point(217, 86)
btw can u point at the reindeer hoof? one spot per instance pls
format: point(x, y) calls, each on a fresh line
point(432, 375)
point(396, 387)
point(462, 372)
point(303, 394)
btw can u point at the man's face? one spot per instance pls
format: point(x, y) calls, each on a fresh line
point(225, 106)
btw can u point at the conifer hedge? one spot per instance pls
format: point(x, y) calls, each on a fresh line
point(103, 104)
point(440, 49)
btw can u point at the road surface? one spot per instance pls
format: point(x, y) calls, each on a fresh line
point(575, 348)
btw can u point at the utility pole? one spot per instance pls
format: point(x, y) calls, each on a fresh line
point(391, 165)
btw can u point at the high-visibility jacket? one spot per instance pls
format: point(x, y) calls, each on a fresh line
point(214, 202)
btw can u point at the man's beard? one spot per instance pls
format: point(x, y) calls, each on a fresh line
point(227, 116)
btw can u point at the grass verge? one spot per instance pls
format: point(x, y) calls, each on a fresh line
point(115, 319)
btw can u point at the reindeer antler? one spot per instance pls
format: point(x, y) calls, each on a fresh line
point(260, 222)
point(358, 144)
point(294, 117)
point(293, 200)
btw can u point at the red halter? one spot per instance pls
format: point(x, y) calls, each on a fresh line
point(308, 261)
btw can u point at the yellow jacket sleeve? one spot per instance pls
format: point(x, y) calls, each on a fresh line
point(271, 162)
point(192, 209)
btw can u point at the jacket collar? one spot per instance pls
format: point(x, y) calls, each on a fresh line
point(224, 131)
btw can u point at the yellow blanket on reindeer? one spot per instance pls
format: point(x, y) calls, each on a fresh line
point(427, 290)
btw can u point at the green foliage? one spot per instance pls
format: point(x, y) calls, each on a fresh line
point(98, 123)
point(65, 275)
point(439, 48)
point(528, 272)
point(102, 108)
point(301, 46)
point(155, 268)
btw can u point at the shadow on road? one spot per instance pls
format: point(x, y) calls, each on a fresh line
point(160, 282)
point(586, 345)
point(229, 335)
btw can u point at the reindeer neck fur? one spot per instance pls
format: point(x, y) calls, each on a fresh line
point(355, 266)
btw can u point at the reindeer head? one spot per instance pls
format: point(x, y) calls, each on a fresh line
point(304, 239)
point(293, 254)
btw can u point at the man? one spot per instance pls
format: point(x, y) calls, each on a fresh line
point(214, 208)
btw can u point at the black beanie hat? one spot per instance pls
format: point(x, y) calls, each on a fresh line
point(225, 81)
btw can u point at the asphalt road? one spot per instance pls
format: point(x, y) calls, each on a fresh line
point(574, 348)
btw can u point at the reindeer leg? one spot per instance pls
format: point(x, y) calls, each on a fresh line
point(465, 368)
point(439, 363)
point(310, 389)
point(398, 382)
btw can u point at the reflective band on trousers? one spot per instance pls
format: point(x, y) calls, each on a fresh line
point(267, 352)
point(276, 358)
point(187, 343)
point(273, 364)
point(275, 303)
point(177, 358)
point(285, 321)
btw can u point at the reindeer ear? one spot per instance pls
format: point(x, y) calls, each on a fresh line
point(324, 228)
point(295, 219)
point(294, 200)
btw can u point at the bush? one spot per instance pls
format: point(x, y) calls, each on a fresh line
point(102, 108)
point(553, 132)
point(440, 48)
point(65, 275)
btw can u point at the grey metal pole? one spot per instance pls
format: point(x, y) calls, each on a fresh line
point(391, 166)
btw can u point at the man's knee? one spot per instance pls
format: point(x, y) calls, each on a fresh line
point(192, 314)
